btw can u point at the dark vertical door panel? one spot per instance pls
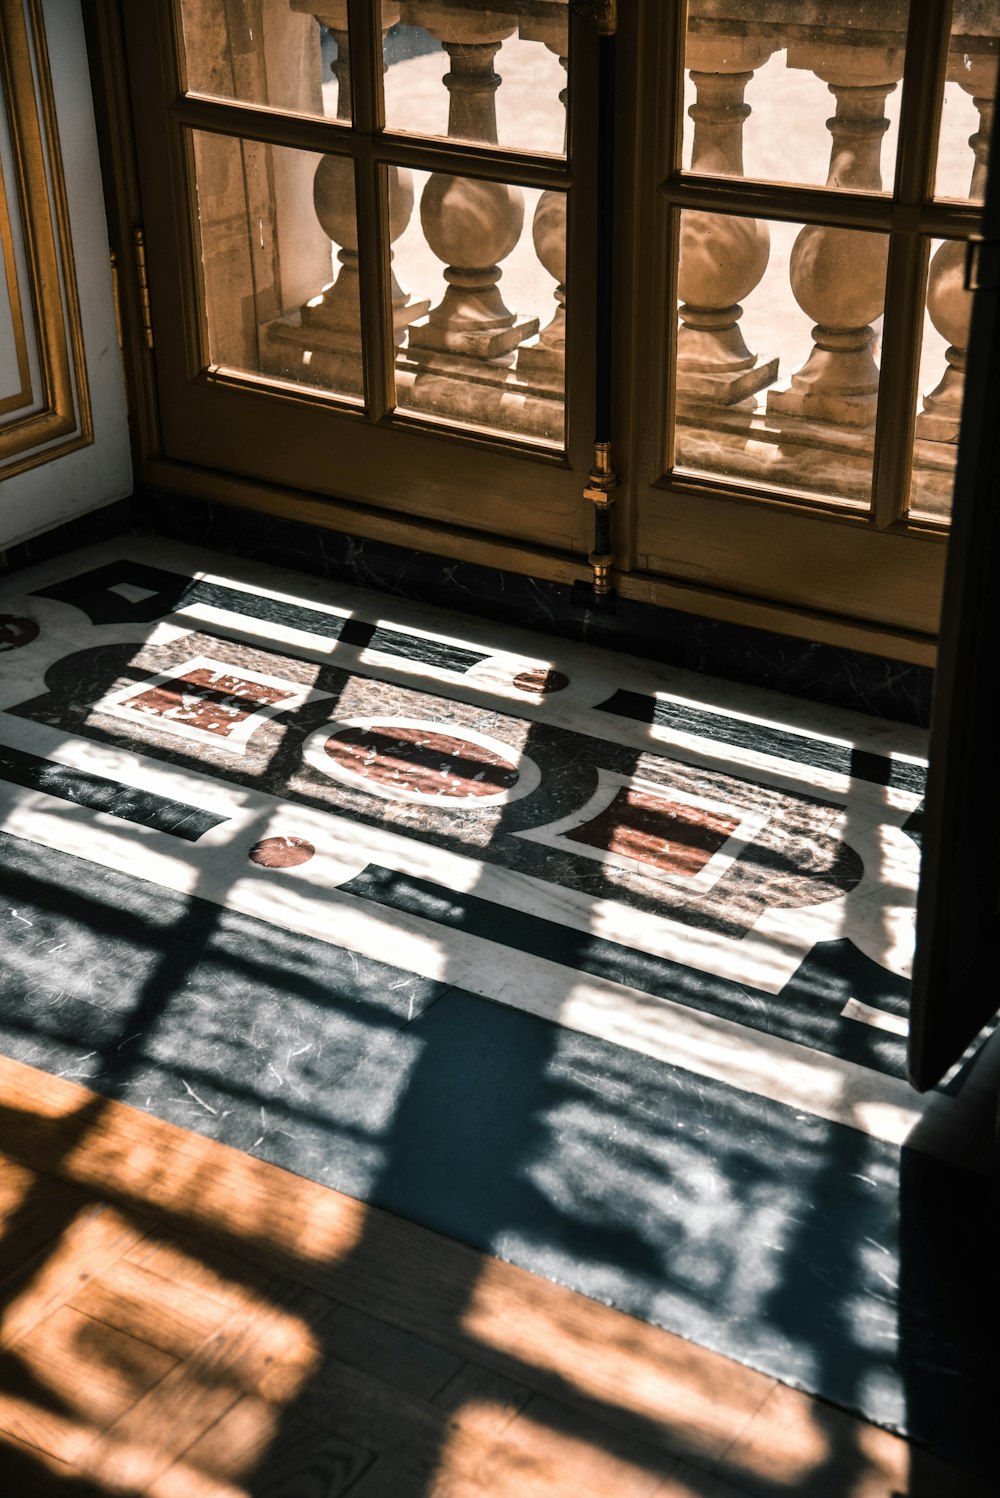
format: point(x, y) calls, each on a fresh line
point(956, 982)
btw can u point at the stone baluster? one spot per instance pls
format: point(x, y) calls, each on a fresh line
point(948, 303)
point(333, 15)
point(544, 363)
point(337, 311)
point(471, 224)
point(341, 65)
point(838, 275)
point(723, 257)
point(329, 325)
point(472, 80)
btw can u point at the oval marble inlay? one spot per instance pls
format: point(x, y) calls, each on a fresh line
point(541, 680)
point(16, 631)
point(417, 760)
point(281, 852)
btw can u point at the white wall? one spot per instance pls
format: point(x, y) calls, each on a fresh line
point(97, 474)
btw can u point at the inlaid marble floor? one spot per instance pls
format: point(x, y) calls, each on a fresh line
point(593, 964)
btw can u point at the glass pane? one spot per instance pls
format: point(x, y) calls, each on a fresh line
point(279, 257)
point(481, 330)
point(287, 54)
point(969, 91)
point(472, 72)
point(777, 353)
point(942, 378)
point(774, 94)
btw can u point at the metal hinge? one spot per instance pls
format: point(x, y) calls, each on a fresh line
point(142, 278)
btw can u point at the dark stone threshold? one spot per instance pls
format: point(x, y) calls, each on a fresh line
point(83, 530)
point(820, 673)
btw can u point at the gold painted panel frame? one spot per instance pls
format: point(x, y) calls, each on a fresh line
point(15, 400)
point(38, 203)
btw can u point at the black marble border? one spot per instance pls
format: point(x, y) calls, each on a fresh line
point(172, 592)
point(871, 684)
point(723, 728)
point(83, 530)
point(99, 793)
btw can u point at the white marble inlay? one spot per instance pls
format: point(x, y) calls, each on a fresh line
point(879, 1019)
point(131, 592)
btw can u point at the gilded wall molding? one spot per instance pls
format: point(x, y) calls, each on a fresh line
point(14, 396)
point(51, 414)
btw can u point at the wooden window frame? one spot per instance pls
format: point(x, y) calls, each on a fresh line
point(909, 550)
point(649, 199)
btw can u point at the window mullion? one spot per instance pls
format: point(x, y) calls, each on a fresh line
point(365, 29)
point(372, 209)
point(927, 41)
point(778, 200)
point(906, 282)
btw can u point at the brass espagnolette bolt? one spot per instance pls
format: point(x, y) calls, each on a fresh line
point(602, 479)
point(600, 490)
point(602, 562)
point(142, 278)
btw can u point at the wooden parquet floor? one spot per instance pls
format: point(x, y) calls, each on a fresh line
point(185, 1321)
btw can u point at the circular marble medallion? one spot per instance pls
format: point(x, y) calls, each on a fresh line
point(416, 759)
point(281, 852)
point(541, 680)
point(409, 759)
point(16, 631)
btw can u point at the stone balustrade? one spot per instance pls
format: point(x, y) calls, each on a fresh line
point(812, 426)
point(803, 420)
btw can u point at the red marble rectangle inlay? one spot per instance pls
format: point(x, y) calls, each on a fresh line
point(212, 701)
point(672, 835)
